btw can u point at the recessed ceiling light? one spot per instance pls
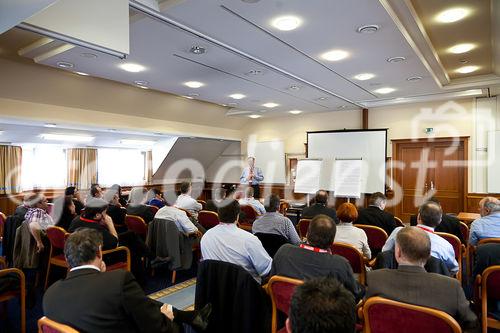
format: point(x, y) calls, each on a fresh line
point(135, 142)
point(335, 55)
point(286, 23)
point(89, 55)
point(414, 78)
point(254, 72)
point(255, 116)
point(194, 84)
point(198, 50)
point(270, 105)
point(452, 15)
point(50, 125)
point(386, 90)
point(467, 69)
point(294, 87)
point(342, 106)
point(64, 64)
point(461, 48)
point(321, 98)
point(364, 76)
point(368, 29)
point(67, 137)
point(188, 97)
point(250, 1)
point(81, 73)
point(223, 105)
point(133, 68)
point(143, 87)
point(295, 111)
point(396, 59)
point(141, 83)
point(237, 96)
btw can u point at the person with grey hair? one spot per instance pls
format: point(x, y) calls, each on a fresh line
point(375, 214)
point(38, 218)
point(252, 176)
point(410, 283)
point(90, 299)
point(137, 205)
point(488, 226)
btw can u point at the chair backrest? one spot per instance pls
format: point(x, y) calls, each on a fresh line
point(46, 325)
point(249, 214)
point(284, 207)
point(354, 256)
point(490, 283)
point(303, 225)
point(454, 241)
point(153, 209)
point(3, 218)
point(464, 230)
point(488, 240)
point(281, 289)
point(398, 221)
point(385, 316)
point(203, 203)
point(57, 237)
point(376, 236)
point(208, 219)
point(271, 242)
point(136, 224)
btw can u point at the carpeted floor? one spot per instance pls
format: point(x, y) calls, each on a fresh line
point(181, 295)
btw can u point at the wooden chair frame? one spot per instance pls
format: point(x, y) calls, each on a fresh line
point(433, 312)
point(3, 219)
point(372, 227)
point(485, 320)
point(274, 279)
point(13, 294)
point(364, 261)
point(209, 213)
point(141, 221)
point(399, 222)
point(471, 251)
point(298, 227)
point(118, 249)
point(458, 256)
point(54, 325)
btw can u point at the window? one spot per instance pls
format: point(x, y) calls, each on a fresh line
point(43, 166)
point(120, 166)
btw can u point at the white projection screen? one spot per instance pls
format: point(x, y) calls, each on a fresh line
point(369, 145)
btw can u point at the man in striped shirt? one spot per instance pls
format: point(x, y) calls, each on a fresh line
point(37, 217)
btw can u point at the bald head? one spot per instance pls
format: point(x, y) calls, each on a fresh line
point(489, 205)
point(413, 246)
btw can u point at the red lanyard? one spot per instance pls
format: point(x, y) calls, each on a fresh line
point(88, 220)
point(425, 229)
point(312, 248)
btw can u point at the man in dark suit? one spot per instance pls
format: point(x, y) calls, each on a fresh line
point(375, 215)
point(93, 300)
point(410, 283)
point(449, 224)
point(320, 207)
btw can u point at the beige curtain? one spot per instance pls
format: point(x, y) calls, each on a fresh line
point(149, 167)
point(82, 167)
point(10, 169)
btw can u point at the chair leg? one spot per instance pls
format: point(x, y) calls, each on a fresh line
point(47, 277)
point(22, 302)
point(174, 275)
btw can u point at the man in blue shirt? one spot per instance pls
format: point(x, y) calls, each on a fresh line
point(429, 217)
point(252, 176)
point(226, 242)
point(488, 226)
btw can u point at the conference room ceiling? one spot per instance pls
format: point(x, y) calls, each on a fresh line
point(245, 54)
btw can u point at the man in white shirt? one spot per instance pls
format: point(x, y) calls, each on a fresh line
point(182, 221)
point(251, 201)
point(185, 201)
point(252, 176)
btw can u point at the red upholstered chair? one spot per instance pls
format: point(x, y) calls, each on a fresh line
point(137, 225)
point(376, 237)
point(464, 229)
point(123, 264)
point(381, 315)
point(21, 292)
point(154, 209)
point(398, 221)
point(355, 258)
point(459, 249)
point(203, 203)
point(57, 237)
point(490, 289)
point(208, 219)
point(281, 289)
point(3, 218)
point(247, 217)
point(303, 225)
point(46, 325)
point(284, 207)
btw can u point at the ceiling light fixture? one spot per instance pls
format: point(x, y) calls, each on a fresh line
point(81, 73)
point(197, 50)
point(255, 116)
point(64, 64)
point(342, 106)
point(295, 111)
point(386, 90)
point(461, 48)
point(294, 87)
point(396, 59)
point(321, 98)
point(467, 69)
point(193, 95)
point(335, 55)
point(414, 78)
point(141, 83)
point(254, 72)
point(143, 87)
point(194, 84)
point(368, 29)
point(237, 96)
point(452, 15)
point(286, 23)
point(364, 76)
point(67, 137)
point(89, 55)
point(49, 125)
point(136, 142)
point(270, 105)
point(133, 68)
point(188, 97)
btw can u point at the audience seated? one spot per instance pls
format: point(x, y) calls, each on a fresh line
point(136, 205)
point(314, 258)
point(319, 207)
point(64, 211)
point(486, 255)
point(95, 192)
point(23, 208)
point(95, 217)
point(410, 283)
point(449, 224)
point(219, 195)
point(226, 242)
point(249, 200)
point(375, 215)
point(429, 216)
point(348, 233)
point(184, 224)
point(90, 299)
point(121, 198)
point(115, 210)
point(272, 222)
point(155, 198)
point(185, 201)
point(76, 196)
point(37, 217)
point(488, 226)
point(321, 305)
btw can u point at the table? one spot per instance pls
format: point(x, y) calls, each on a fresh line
point(468, 217)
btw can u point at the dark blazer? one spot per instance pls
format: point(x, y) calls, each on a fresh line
point(109, 241)
point(375, 216)
point(91, 301)
point(413, 285)
point(316, 209)
point(387, 259)
point(487, 255)
point(141, 210)
point(449, 224)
